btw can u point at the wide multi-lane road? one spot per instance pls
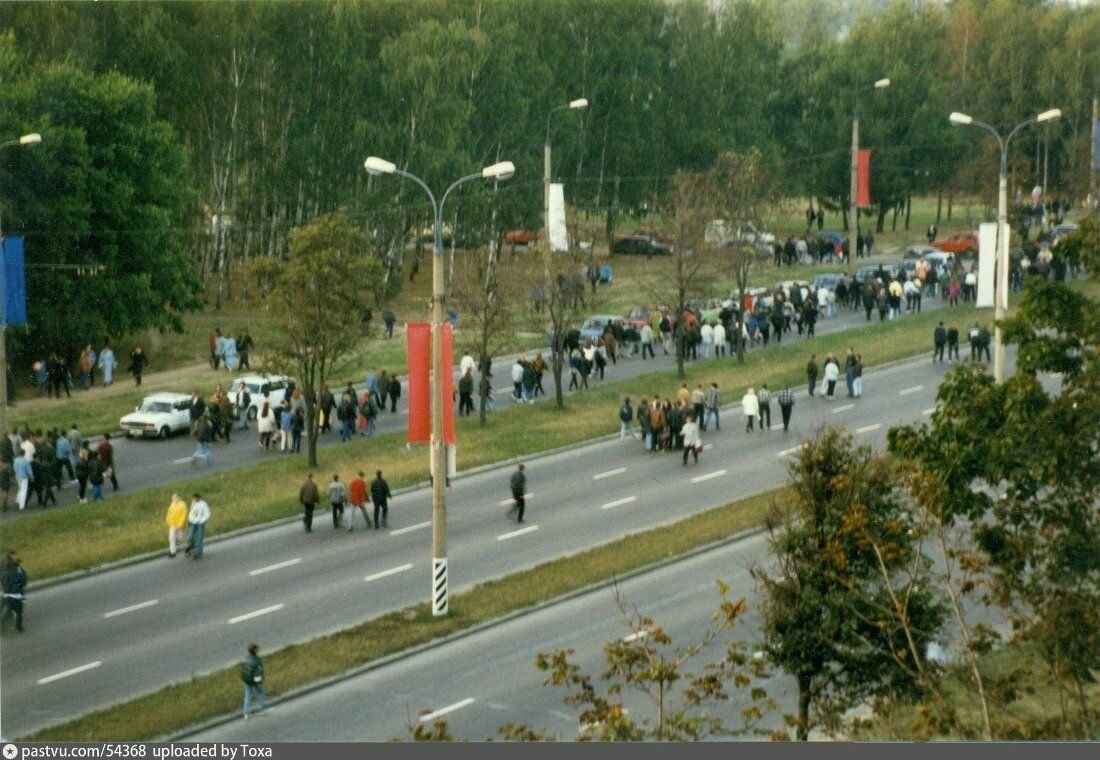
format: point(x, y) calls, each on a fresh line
point(150, 463)
point(108, 637)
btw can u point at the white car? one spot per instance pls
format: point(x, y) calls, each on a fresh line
point(260, 387)
point(159, 416)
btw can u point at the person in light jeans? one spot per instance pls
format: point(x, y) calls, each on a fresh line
point(252, 674)
point(177, 521)
point(197, 518)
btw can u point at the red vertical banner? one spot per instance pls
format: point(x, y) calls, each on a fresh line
point(448, 383)
point(418, 338)
point(863, 179)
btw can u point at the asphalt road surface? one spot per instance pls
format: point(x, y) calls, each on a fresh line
point(111, 636)
point(149, 463)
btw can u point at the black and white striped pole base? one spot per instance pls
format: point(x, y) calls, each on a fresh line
point(439, 586)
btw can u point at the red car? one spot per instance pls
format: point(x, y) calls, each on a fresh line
point(960, 243)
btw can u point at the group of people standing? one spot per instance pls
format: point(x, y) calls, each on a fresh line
point(52, 374)
point(33, 462)
point(229, 352)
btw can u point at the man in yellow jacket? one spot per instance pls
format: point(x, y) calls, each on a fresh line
point(177, 522)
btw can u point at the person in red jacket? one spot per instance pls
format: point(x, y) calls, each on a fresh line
point(106, 454)
point(357, 495)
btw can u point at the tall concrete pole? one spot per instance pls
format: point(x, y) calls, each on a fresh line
point(853, 219)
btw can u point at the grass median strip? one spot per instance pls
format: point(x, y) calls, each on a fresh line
point(178, 706)
point(55, 543)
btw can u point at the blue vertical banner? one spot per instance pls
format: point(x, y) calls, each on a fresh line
point(13, 286)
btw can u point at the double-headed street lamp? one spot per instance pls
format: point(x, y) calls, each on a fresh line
point(1000, 290)
point(853, 186)
point(573, 105)
point(32, 139)
point(502, 170)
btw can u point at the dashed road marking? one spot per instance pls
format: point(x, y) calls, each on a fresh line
point(255, 614)
point(844, 408)
point(619, 502)
point(785, 452)
point(869, 428)
point(928, 412)
point(276, 566)
point(183, 460)
point(708, 476)
point(914, 389)
point(71, 672)
point(387, 573)
point(506, 502)
point(131, 608)
point(635, 636)
point(411, 528)
point(609, 473)
point(514, 533)
point(445, 710)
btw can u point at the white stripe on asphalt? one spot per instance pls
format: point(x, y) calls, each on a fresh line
point(844, 408)
point(608, 474)
point(185, 459)
point(914, 389)
point(411, 528)
point(131, 608)
point(777, 426)
point(928, 412)
point(708, 476)
point(785, 452)
point(708, 446)
point(391, 571)
point(869, 428)
point(514, 533)
point(256, 614)
point(635, 636)
point(444, 710)
point(506, 502)
point(276, 566)
point(619, 502)
point(67, 673)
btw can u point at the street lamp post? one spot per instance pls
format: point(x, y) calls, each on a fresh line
point(1000, 290)
point(32, 139)
point(502, 170)
point(853, 186)
point(572, 105)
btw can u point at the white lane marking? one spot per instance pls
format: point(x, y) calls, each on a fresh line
point(391, 571)
point(869, 428)
point(844, 408)
point(255, 614)
point(928, 412)
point(785, 452)
point(514, 533)
point(444, 710)
point(708, 476)
point(777, 426)
point(67, 673)
point(183, 460)
point(914, 389)
point(411, 528)
point(131, 608)
point(276, 566)
point(506, 502)
point(635, 636)
point(619, 502)
point(609, 473)
point(708, 446)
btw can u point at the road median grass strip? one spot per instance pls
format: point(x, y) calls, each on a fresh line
point(57, 542)
point(176, 707)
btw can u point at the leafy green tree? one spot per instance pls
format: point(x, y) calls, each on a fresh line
point(317, 297)
point(832, 617)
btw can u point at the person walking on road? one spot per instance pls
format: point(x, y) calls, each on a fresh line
point(626, 417)
point(751, 407)
point(14, 582)
point(764, 398)
point(832, 374)
point(177, 521)
point(106, 453)
point(939, 340)
point(850, 371)
point(357, 496)
point(337, 497)
point(858, 383)
point(693, 442)
point(785, 398)
point(204, 434)
point(252, 674)
point(713, 401)
point(519, 491)
point(380, 495)
point(953, 344)
point(308, 497)
point(24, 475)
point(197, 518)
point(811, 373)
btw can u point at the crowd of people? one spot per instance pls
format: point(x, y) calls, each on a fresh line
point(34, 462)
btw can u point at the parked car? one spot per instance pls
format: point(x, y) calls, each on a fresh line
point(1060, 231)
point(827, 280)
point(960, 243)
point(592, 328)
point(920, 251)
point(640, 244)
point(939, 258)
point(159, 416)
point(260, 387)
point(639, 318)
point(789, 285)
point(891, 268)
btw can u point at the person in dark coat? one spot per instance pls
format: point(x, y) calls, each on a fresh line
point(308, 497)
point(380, 495)
point(138, 362)
point(14, 581)
point(252, 674)
point(519, 490)
point(811, 373)
point(395, 392)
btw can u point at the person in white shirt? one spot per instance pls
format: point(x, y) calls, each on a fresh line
point(466, 365)
point(517, 381)
point(751, 406)
point(693, 442)
point(196, 520)
point(832, 374)
point(719, 340)
point(647, 341)
point(706, 334)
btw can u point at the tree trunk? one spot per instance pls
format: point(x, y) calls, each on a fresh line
point(802, 730)
point(311, 427)
point(908, 208)
point(939, 206)
point(557, 365)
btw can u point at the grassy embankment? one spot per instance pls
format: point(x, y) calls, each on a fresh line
point(180, 705)
point(55, 543)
